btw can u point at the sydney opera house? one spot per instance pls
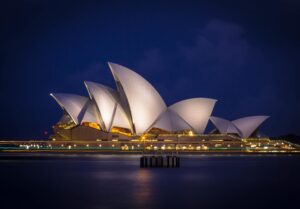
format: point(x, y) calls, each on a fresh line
point(134, 118)
point(135, 110)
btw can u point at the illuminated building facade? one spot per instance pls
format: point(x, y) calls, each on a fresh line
point(135, 110)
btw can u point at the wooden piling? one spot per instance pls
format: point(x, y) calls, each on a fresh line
point(160, 161)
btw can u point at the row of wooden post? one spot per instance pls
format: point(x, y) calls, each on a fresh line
point(159, 162)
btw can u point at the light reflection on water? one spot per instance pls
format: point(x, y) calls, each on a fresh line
point(143, 189)
point(114, 181)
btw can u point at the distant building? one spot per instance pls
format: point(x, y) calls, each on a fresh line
point(136, 109)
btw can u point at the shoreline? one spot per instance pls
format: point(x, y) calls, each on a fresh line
point(140, 153)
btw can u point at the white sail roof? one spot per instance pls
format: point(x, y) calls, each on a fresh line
point(248, 125)
point(73, 104)
point(171, 121)
point(107, 102)
point(195, 112)
point(244, 127)
point(142, 102)
point(91, 113)
point(138, 106)
point(120, 118)
point(224, 126)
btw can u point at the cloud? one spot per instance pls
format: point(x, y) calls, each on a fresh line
point(220, 45)
point(219, 50)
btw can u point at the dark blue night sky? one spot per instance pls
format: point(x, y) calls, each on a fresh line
point(245, 54)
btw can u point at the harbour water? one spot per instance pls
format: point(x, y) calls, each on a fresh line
point(116, 181)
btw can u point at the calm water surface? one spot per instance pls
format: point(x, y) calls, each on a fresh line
point(114, 181)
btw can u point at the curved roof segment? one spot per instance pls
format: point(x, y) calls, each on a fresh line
point(73, 104)
point(195, 112)
point(248, 125)
point(171, 121)
point(107, 102)
point(244, 127)
point(90, 114)
point(142, 102)
point(120, 119)
point(224, 126)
